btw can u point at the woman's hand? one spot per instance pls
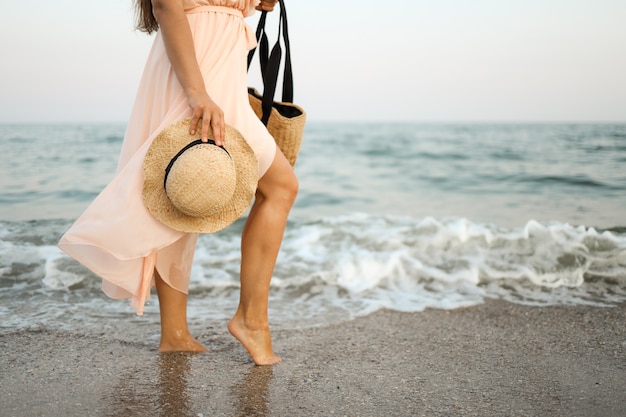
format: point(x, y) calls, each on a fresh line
point(267, 5)
point(208, 114)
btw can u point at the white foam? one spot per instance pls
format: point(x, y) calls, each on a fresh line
point(56, 278)
point(336, 268)
point(403, 264)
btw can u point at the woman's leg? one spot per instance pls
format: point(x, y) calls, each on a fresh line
point(260, 243)
point(175, 336)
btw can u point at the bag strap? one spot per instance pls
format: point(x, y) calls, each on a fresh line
point(262, 44)
point(270, 63)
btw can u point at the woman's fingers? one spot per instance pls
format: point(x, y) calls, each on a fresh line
point(193, 125)
point(267, 5)
point(209, 118)
point(216, 123)
point(210, 126)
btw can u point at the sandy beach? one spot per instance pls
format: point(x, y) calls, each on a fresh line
point(496, 359)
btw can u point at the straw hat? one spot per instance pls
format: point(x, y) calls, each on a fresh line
point(198, 187)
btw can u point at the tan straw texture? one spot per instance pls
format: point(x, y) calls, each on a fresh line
point(206, 189)
point(286, 124)
point(201, 180)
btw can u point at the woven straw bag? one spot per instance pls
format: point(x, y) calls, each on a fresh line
point(284, 120)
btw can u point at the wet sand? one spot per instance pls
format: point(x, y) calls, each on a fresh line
point(496, 359)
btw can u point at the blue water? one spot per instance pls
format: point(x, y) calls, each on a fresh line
point(398, 216)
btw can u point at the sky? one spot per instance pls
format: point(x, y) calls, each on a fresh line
point(406, 60)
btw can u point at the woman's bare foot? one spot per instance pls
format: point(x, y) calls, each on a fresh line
point(257, 341)
point(182, 343)
point(175, 336)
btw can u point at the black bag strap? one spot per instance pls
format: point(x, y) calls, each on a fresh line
point(262, 44)
point(270, 63)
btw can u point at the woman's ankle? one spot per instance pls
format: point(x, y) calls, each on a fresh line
point(180, 342)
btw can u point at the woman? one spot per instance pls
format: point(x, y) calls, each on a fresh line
point(196, 69)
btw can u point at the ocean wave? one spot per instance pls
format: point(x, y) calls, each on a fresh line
point(567, 180)
point(336, 268)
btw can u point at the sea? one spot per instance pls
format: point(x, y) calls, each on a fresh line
point(398, 216)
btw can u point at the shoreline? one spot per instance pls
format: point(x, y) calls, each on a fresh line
point(493, 359)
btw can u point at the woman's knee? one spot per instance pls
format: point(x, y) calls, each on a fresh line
point(284, 191)
point(292, 187)
point(279, 182)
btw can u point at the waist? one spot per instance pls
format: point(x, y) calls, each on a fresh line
point(216, 9)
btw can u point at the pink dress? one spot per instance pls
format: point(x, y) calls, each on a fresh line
point(116, 237)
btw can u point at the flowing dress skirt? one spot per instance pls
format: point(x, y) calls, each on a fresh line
point(116, 237)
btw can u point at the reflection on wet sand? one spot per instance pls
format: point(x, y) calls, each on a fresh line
point(139, 392)
point(167, 387)
point(173, 398)
point(251, 395)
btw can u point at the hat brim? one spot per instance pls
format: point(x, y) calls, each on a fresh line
point(164, 147)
